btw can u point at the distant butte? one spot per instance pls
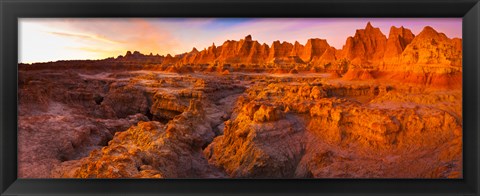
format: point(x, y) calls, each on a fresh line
point(429, 58)
point(369, 49)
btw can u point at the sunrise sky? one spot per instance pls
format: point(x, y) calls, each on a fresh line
point(52, 39)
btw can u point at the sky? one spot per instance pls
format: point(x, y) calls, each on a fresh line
point(52, 39)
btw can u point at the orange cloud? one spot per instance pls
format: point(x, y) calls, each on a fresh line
point(146, 38)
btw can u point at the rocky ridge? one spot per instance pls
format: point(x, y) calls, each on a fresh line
point(429, 58)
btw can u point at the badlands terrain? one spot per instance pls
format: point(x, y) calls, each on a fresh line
point(380, 107)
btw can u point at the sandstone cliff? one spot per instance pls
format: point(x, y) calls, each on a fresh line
point(398, 39)
point(366, 47)
point(429, 58)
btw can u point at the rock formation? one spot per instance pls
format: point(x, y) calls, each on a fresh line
point(151, 150)
point(377, 108)
point(430, 58)
point(398, 39)
point(431, 47)
point(279, 141)
point(366, 47)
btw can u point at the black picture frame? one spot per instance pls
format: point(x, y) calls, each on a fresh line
point(11, 10)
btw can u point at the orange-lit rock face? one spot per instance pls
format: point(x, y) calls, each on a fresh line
point(398, 39)
point(378, 108)
point(429, 58)
point(321, 130)
point(151, 150)
point(366, 47)
point(431, 47)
